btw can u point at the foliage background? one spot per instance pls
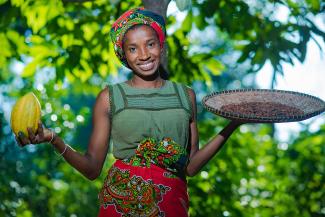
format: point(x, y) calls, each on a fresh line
point(60, 50)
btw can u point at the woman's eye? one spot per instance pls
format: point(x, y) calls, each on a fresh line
point(132, 49)
point(151, 44)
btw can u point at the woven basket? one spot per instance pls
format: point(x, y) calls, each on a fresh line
point(263, 105)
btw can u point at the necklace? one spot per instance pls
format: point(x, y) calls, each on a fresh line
point(160, 83)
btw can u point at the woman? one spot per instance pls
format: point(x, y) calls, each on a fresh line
point(152, 124)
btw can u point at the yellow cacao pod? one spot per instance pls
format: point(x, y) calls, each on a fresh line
point(25, 113)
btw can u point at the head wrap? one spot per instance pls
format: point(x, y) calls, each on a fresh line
point(135, 17)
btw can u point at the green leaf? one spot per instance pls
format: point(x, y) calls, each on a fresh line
point(187, 23)
point(89, 30)
point(315, 4)
point(5, 50)
point(214, 66)
point(30, 68)
point(200, 22)
point(3, 1)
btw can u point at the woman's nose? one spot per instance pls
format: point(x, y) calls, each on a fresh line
point(144, 54)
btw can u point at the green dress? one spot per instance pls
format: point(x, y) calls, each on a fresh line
point(140, 113)
point(150, 136)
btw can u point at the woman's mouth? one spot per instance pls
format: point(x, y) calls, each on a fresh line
point(146, 66)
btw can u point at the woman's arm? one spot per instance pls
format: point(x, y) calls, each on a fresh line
point(91, 163)
point(200, 157)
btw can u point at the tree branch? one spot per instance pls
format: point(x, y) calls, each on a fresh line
point(159, 7)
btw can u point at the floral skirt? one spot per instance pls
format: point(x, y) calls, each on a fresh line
point(142, 189)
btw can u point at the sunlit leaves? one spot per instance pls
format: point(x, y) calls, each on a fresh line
point(40, 12)
point(258, 35)
point(69, 40)
point(112, 61)
point(11, 44)
point(5, 52)
point(315, 4)
point(187, 23)
point(65, 23)
point(89, 30)
point(214, 66)
point(254, 177)
point(40, 53)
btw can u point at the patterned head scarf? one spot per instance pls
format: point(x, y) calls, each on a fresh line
point(134, 17)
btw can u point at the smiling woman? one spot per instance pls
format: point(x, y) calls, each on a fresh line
point(152, 125)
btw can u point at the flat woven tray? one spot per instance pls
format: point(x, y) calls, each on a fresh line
point(263, 105)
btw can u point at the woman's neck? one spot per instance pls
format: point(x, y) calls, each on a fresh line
point(141, 83)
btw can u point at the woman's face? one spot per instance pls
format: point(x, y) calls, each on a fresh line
point(142, 50)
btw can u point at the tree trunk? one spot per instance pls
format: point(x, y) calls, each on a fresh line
point(160, 7)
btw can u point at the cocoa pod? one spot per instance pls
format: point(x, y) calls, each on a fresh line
point(25, 113)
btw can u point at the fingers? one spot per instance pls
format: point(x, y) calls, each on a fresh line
point(23, 139)
point(48, 135)
point(39, 137)
point(31, 135)
point(18, 141)
point(40, 130)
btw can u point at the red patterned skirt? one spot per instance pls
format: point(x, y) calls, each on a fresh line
point(135, 188)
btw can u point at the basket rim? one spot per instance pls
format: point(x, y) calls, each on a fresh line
point(252, 118)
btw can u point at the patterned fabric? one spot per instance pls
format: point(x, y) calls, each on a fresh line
point(146, 184)
point(134, 17)
point(141, 191)
point(166, 154)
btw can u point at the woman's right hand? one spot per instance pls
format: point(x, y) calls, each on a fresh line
point(42, 135)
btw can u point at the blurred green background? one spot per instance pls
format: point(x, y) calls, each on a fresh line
point(61, 51)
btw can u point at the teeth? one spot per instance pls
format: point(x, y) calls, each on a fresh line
point(146, 66)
